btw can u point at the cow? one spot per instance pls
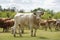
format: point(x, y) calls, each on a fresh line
point(43, 24)
point(52, 23)
point(31, 20)
point(6, 23)
point(57, 24)
point(48, 24)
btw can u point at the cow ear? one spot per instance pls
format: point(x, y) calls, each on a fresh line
point(42, 13)
point(34, 13)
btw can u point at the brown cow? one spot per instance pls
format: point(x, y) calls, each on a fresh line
point(5, 23)
point(43, 23)
point(9, 23)
point(48, 23)
point(57, 25)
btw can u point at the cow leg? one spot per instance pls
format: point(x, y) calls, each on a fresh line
point(35, 32)
point(20, 33)
point(32, 32)
point(6, 30)
point(14, 31)
point(31, 28)
point(20, 30)
point(3, 29)
point(56, 28)
point(45, 28)
point(46, 25)
point(50, 28)
point(59, 27)
point(23, 31)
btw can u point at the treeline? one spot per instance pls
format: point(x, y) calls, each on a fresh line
point(48, 13)
point(10, 12)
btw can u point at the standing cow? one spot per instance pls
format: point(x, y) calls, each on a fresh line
point(6, 23)
point(28, 19)
point(57, 24)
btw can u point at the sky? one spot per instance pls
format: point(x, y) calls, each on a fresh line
point(28, 5)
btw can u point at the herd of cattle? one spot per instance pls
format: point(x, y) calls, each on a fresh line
point(32, 20)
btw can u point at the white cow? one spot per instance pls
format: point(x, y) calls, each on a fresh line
point(31, 20)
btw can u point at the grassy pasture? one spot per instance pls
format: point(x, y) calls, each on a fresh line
point(41, 35)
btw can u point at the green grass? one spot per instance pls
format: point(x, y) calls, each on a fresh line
point(41, 35)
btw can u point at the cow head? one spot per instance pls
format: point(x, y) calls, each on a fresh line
point(38, 14)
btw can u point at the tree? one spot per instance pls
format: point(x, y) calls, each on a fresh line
point(8, 9)
point(57, 15)
point(8, 15)
point(41, 9)
point(51, 12)
point(21, 11)
point(0, 8)
point(0, 14)
point(13, 9)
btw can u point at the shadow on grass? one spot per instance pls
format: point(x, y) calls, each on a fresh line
point(43, 37)
point(4, 32)
point(17, 37)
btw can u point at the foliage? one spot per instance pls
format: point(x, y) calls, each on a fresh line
point(6, 14)
point(41, 9)
point(10, 12)
point(57, 15)
point(21, 11)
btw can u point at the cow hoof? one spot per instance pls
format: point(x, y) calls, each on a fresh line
point(14, 35)
point(22, 32)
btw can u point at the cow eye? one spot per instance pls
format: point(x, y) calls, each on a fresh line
point(34, 13)
point(42, 13)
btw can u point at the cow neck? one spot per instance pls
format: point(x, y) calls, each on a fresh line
point(35, 20)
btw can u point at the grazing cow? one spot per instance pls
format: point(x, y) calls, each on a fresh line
point(29, 19)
